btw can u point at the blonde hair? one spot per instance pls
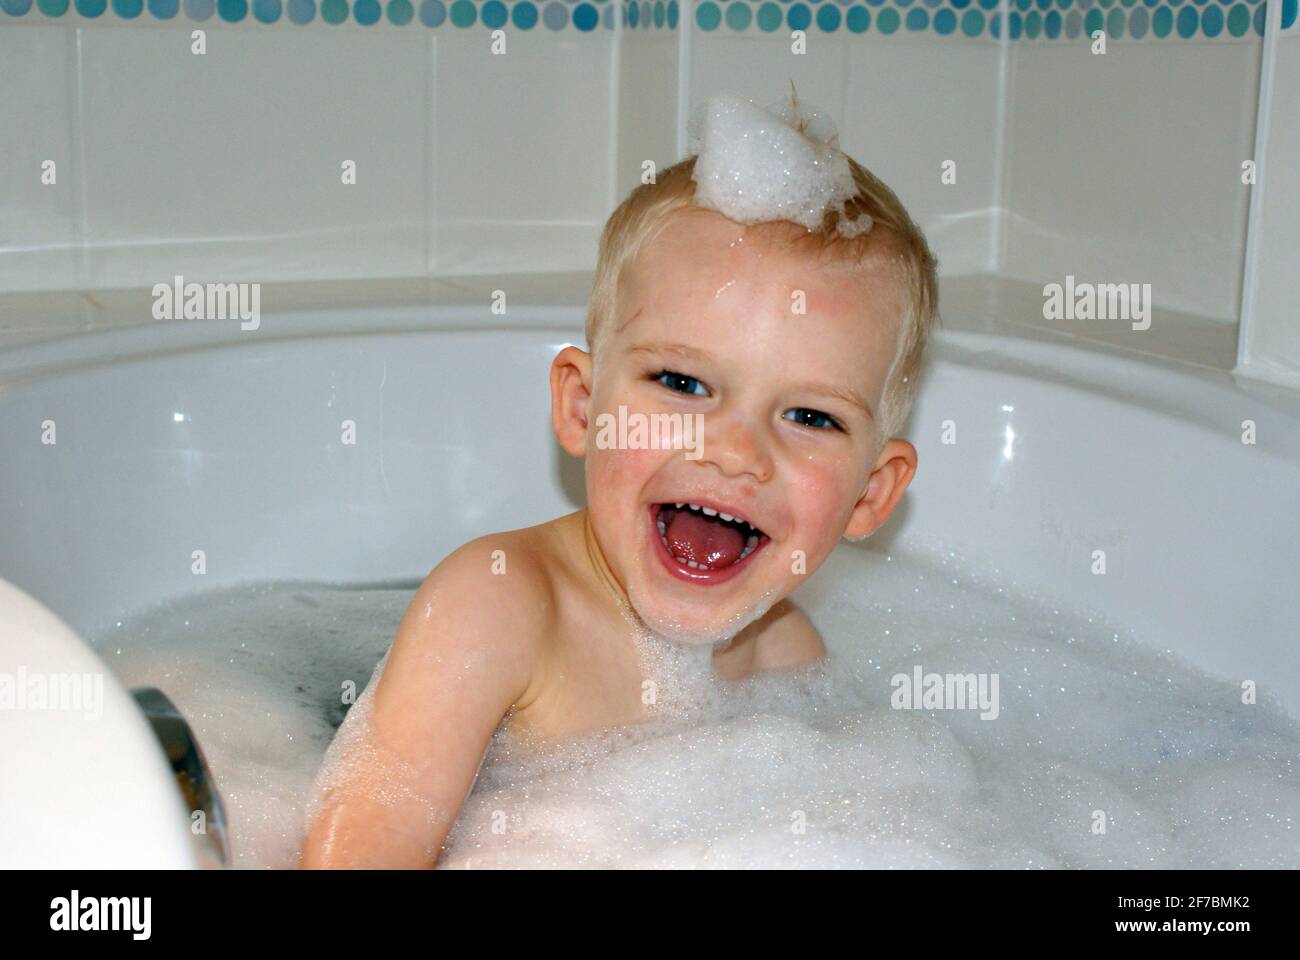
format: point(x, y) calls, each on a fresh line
point(649, 208)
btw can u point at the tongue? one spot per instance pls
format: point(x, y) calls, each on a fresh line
point(709, 542)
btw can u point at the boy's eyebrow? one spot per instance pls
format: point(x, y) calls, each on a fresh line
point(681, 349)
point(847, 394)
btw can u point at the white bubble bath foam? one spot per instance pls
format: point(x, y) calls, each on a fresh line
point(1100, 752)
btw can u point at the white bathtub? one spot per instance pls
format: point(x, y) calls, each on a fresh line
point(201, 437)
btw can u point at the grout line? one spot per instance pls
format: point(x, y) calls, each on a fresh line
point(614, 106)
point(77, 116)
point(684, 21)
point(431, 157)
point(998, 224)
point(1250, 264)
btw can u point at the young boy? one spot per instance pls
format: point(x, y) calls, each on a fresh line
point(801, 352)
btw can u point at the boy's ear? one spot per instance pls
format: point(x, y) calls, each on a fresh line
point(570, 391)
point(893, 471)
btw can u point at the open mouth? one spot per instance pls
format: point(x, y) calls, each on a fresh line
point(702, 542)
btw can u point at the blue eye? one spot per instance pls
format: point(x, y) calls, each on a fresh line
point(680, 383)
point(812, 418)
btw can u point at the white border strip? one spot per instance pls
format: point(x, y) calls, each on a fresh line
point(1250, 265)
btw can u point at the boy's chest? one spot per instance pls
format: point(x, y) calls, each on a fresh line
point(596, 679)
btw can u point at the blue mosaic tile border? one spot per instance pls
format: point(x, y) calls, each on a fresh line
point(1053, 19)
point(583, 16)
point(1027, 19)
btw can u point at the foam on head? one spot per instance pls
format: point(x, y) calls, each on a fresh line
point(777, 163)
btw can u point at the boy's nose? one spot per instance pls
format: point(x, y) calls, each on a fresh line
point(735, 446)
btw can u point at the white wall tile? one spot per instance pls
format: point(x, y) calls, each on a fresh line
point(1126, 167)
point(38, 223)
point(762, 68)
point(647, 107)
point(229, 164)
point(910, 106)
point(522, 152)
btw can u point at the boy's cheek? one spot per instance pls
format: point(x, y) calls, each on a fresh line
point(822, 501)
point(623, 472)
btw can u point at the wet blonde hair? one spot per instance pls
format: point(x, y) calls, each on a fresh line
point(649, 208)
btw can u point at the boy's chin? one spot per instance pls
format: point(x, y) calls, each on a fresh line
point(700, 630)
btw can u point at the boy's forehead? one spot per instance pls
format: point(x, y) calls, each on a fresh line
point(701, 260)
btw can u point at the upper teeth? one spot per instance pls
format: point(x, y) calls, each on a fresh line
point(709, 511)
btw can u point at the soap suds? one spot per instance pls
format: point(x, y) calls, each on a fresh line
point(809, 768)
point(782, 162)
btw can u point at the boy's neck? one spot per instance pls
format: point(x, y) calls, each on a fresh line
point(604, 576)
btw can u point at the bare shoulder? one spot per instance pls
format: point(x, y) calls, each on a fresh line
point(781, 639)
point(507, 572)
point(489, 604)
point(787, 639)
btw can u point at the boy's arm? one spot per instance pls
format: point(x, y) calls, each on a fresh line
point(463, 655)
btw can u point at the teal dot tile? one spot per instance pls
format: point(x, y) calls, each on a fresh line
point(769, 17)
point(739, 16)
point(1239, 20)
point(524, 15)
point(585, 17)
point(828, 18)
point(555, 16)
point(462, 14)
